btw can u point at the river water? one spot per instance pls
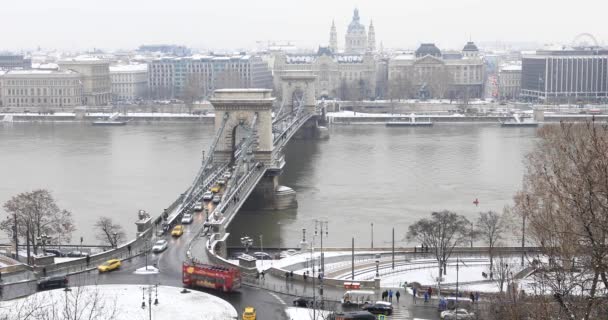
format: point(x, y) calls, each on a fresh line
point(362, 174)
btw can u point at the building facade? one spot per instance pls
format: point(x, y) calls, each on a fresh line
point(95, 73)
point(342, 76)
point(576, 75)
point(41, 88)
point(430, 73)
point(197, 76)
point(129, 82)
point(509, 82)
point(14, 61)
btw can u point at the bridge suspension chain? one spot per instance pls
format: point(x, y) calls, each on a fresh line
point(203, 170)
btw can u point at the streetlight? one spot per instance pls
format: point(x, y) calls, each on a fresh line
point(246, 242)
point(322, 224)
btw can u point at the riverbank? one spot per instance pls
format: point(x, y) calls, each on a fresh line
point(351, 117)
point(208, 118)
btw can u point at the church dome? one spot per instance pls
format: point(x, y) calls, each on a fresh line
point(470, 46)
point(428, 49)
point(355, 25)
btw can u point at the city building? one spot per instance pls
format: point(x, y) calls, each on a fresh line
point(572, 75)
point(344, 76)
point(197, 76)
point(431, 73)
point(41, 88)
point(167, 49)
point(14, 61)
point(129, 82)
point(356, 38)
point(509, 81)
point(95, 74)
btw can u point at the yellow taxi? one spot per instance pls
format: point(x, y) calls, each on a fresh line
point(215, 188)
point(109, 265)
point(249, 313)
point(177, 231)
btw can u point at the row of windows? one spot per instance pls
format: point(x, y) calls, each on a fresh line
point(41, 82)
point(30, 101)
point(40, 92)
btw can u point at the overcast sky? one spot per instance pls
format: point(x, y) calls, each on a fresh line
point(234, 24)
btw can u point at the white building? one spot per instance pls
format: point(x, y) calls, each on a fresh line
point(429, 73)
point(356, 38)
point(95, 75)
point(509, 81)
point(129, 82)
point(41, 88)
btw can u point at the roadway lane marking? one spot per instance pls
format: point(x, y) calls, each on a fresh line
point(278, 298)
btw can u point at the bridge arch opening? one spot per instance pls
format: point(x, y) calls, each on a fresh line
point(240, 132)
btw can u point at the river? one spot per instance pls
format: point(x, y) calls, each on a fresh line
point(363, 174)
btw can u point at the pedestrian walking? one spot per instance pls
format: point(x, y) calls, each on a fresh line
point(263, 275)
point(472, 296)
point(414, 294)
point(477, 296)
point(383, 295)
point(397, 295)
point(44, 272)
point(390, 295)
point(129, 249)
point(426, 297)
point(88, 259)
point(430, 292)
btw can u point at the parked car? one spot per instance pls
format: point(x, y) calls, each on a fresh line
point(55, 252)
point(177, 231)
point(52, 282)
point(215, 189)
point(217, 199)
point(187, 218)
point(380, 307)
point(262, 256)
point(76, 254)
point(198, 206)
point(208, 196)
point(458, 314)
point(109, 265)
point(307, 302)
point(160, 246)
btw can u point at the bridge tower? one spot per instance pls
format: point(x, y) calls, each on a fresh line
point(241, 106)
point(299, 85)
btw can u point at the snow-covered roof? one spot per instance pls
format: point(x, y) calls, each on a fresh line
point(405, 57)
point(38, 72)
point(47, 66)
point(511, 67)
point(129, 68)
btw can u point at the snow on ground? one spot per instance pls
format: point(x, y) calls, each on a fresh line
point(294, 313)
point(428, 275)
point(147, 270)
point(125, 300)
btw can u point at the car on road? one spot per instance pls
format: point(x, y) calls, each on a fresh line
point(160, 246)
point(52, 282)
point(307, 302)
point(249, 313)
point(76, 254)
point(177, 231)
point(215, 189)
point(208, 196)
point(109, 265)
point(262, 256)
point(217, 199)
point(458, 314)
point(54, 252)
point(380, 307)
point(221, 182)
point(187, 218)
point(198, 206)
point(227, 175)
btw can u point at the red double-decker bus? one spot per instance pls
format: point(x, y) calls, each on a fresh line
point(209, 276)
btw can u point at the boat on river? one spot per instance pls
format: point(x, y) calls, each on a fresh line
point(518, 122)
point(412, 123)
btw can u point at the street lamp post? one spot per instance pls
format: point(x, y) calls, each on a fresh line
point(115, 238)
point(246, 242)
point(322, 224)
point(377, 268)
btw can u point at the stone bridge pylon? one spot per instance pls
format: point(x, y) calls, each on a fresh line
point(241, 106)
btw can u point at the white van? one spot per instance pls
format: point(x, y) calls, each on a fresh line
point(358, 297)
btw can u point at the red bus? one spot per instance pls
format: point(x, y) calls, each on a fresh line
point(209, 276)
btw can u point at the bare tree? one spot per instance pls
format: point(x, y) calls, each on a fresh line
point(108, 231)
point(491, 226)
point(401, 87)
point(80, 303)
point(565, 200)
point(35, 214)
point(441, 233)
